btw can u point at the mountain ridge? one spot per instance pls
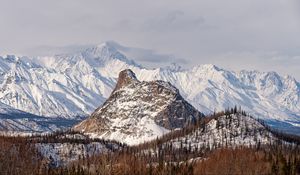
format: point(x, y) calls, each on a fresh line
point(74, 85)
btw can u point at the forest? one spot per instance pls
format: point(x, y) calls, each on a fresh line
point(177, 152)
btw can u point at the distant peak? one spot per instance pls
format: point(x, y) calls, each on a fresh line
point(106, 45)
point(174, 67)
point(100, 49)
point(210, 66)
point(125, 78)
point(105, 52)
point(207, 67)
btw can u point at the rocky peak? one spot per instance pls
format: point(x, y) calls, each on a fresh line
point(125, 78)
point(139, 111)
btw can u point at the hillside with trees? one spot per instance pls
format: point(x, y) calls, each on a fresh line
point(229, 142)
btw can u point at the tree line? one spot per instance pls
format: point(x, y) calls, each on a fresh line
point(18, 155)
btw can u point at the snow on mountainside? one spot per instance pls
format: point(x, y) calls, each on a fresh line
point(264, 94)
point(139, 111)
point(73, 85)
point(20, 122)
point(226, 130)
point(41, 91)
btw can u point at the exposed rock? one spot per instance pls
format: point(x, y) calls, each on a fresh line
point(126, 77)
point(139, 111)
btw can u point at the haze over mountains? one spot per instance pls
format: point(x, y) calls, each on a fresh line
point(72, 86)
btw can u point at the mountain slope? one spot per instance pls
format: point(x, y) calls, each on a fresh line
point(265, 95)
point(228, 130)
point(48, 92)
point(139, 111)
point(13, 121)
point(68, 86)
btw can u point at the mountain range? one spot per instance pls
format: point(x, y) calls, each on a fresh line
point(71, 86)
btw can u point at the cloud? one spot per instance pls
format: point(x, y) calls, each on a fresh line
point(47, 50)
point(197, 30)
point(173, 21)
point(271, 61)
point(147, 57)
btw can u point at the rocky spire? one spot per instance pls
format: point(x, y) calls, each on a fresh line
point(125, 78)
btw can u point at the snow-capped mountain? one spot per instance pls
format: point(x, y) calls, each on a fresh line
point(16, 122)
point(73, 85)
point(139, 111)
point(265, 95)
point(62, 86)
point(30, 87)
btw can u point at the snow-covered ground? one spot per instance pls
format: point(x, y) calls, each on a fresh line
point(236, 130)
point(63, 153)
point(146, 130)
point(224, 131)
point(63, 148)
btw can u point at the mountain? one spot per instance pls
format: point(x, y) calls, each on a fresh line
point(265, 95)
point(227, 130)
point(19, 122)
point(68, 86)
point(139, 111)
point(30, 87)
point(72, 86)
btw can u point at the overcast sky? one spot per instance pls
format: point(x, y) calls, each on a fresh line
point(234, 34)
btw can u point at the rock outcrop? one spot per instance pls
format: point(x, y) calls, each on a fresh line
point(139, 111)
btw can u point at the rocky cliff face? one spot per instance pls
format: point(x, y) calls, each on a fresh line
point(139, 111)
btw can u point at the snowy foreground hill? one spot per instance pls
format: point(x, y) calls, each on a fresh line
point(218, 131)
point(72, 86)
point(226, 130)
